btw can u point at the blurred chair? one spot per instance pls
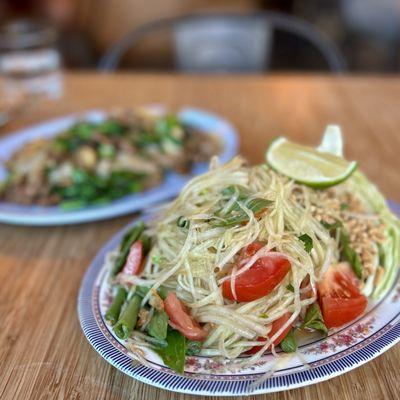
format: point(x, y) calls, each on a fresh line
point(226, 42)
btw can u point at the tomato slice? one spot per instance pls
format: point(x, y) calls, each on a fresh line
point(276, 325)
point(260, 279)
point(181, 320)
point(252, 249)
point(339, 296)
point(134, 259)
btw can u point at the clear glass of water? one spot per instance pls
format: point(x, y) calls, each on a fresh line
point(30, 63)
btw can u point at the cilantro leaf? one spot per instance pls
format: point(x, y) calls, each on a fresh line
point(289, 343)
point(308, 242)
point(158, 325)
point(290, 288)
point(193, 347)
point(314, 319)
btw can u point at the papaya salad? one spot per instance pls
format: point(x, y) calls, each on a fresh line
point(248, 258)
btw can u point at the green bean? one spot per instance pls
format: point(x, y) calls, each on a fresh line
point(146, 243)
point(142, 290)
point(163, 292)
point(114, 310)
point(126, 243)
point(132, 235)
point(128, 318)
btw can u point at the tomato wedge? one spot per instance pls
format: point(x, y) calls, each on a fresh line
point(252, 249)
point(339, 296)
point(260, 279)
point(276, 325)
point(181, 320)
point(134, 259)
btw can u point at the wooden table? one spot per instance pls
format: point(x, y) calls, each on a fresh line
point(43, 353)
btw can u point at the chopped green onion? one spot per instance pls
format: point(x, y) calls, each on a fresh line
point(183, 222)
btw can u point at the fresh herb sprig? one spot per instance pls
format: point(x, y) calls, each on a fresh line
point(308, 242)
point(289, 342)
point(314, 320)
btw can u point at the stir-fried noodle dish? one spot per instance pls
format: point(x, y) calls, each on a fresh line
point(94, 163)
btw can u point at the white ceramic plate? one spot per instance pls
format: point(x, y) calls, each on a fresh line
point(343, 350)
point(38, 215)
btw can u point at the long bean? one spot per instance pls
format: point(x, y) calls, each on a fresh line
point(126, 244)
point(132, 235)
point(128, 318)
point(114, 310)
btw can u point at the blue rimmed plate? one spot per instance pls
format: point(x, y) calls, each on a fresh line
point(318, 359)
point(38, 215)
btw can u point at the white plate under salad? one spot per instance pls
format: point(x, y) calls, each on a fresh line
point(317, 359)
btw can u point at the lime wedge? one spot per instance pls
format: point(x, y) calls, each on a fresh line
point(332, 141)
point(308, 165)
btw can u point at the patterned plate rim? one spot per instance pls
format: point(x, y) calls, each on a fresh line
point(348, 360)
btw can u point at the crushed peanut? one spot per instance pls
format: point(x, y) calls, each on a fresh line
point(378, 275)
point(156, 301)
point(144, 317)
point(364, 234)
point(365, 231)
point(326, 206)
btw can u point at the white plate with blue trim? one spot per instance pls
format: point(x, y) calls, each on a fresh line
point(53, 215)
point(317, 360)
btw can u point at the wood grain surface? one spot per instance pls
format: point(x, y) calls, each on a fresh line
point(43, 353)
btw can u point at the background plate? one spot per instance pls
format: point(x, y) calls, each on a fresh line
point(343, 350)
point(38, 215)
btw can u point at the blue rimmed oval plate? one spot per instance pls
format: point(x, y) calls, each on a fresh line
point(38, 215)
point(318, 359)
